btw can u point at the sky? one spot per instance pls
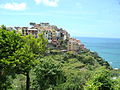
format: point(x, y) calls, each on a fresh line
point(84, 18)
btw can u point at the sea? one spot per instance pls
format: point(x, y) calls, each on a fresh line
point(107, 48)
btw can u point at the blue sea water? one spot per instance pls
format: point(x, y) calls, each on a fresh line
point(107, 48)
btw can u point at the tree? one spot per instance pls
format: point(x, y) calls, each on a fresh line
point(101, 80)
point(10, 42)
point(117, 83)
point(48, 74)
point(27, 57)
point(32, 23)
point(19, 54)
point(3, 27)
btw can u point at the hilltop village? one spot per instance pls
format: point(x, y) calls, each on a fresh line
point(58, 38)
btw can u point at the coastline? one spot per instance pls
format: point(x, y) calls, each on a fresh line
point(107, 48)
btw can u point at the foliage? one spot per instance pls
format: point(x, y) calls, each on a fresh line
point(10, 42)
point(116, 83)
point(48, 74)
point(100, 80)
point(18, 83)
point(26, 57)
point(18, 54)
point(76, 76)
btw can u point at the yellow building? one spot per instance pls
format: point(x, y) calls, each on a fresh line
point(73, 44)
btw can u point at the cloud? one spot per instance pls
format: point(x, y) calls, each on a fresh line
point(51, 3)
point(38, 1)
point(14, 6)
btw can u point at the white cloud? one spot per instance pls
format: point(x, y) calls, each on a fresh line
point(38, 1)
point(14, 6)
point(52, 3)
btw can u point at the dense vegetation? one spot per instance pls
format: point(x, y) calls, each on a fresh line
point(27, 64)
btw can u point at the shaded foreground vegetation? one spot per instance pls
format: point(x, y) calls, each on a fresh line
point(27, 64)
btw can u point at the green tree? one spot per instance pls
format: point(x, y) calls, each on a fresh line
point(117, 83)
point(32, 23)
point(48, 74)
point(27, 57)
point(9, 43)
point(101, 80)
point(18, 55)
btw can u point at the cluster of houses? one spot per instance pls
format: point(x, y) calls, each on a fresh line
point(55, 35)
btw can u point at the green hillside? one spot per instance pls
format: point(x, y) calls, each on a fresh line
point(26, 63)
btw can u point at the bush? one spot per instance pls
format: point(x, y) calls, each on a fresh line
point(48, 74)
point(101, 80)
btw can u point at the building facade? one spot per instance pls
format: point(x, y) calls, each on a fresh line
point(56, 36)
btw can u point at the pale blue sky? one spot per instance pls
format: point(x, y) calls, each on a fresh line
point(91, 18)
